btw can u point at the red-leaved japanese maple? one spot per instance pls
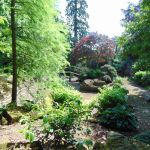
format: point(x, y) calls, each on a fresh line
point(93, 47)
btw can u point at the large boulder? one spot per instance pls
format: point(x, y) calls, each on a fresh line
point(98, 82)
point(107, 79)
point(146, 97)
point(88, 85)
point(117, 141)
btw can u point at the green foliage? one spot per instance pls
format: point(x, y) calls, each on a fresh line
point(90, 74)
point(143, 137)
point(27, 105)
point(142, 78)
point(118, 80)
point(29, 135)
point(42, 45)
point(109, 70)
point(117, 64)
point(62, 95)
point(62, 122)
point(113, 109)
point(119, 117)
point(141, 65)
point(110, 97)
point(134, 42)
point(2, 108)
point(94, 73)
point(58, 121)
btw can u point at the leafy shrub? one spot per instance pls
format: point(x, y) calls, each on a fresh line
point(141, 65)
point(61, 95)
point(118, 80)
point(110, 97)
point(142, 78)
point(117, 64)
point(27, 105)
point(90, 74)
point(119, 117)
point(94, 73)
point(109, 70)
point(58, 125)
point(59, 122)
point(62, 122)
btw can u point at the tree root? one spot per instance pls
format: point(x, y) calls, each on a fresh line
point(7, 117)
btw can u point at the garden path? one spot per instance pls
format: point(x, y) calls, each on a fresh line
point(140, 105)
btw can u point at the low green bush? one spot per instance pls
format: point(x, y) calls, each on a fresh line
point(61, 123)
point(94, 73)
point(117, 64)
point(27, 105)
point(90, 74)
point(119, 117)
point(110, 97)
point(61, 95)
point(114, 111)
point(109, 70)
point(118, 80)
point(141, 65)
point(142, 78)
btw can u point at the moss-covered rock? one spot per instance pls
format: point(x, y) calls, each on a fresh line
point(143, 137)
point(117, 141)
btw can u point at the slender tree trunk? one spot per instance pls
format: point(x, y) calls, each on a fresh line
point(13, 28)
point(75, 24)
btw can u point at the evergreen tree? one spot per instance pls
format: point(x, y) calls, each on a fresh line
point(77, 19)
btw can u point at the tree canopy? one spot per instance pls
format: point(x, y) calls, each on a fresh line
point(135, 40)
point(94, 47)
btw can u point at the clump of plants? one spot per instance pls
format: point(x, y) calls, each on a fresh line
point(114, 111)
point(109, 70)
point(111, 96)
point(28, 105)
point(90, 74)
point(57, 122)
point(119, 117)
point(106, 72)
point(142, 78)
point(62, 94)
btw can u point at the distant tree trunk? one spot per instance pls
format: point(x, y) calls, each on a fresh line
point(13, 28)
point(75, 24)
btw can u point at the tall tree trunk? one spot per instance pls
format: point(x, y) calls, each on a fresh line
point(13, 28)
point(75, 23)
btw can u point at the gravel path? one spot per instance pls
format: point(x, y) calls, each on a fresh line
point(140, 105)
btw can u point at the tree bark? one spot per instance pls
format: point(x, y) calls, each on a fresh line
point(75, 23)
point(14, 62)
